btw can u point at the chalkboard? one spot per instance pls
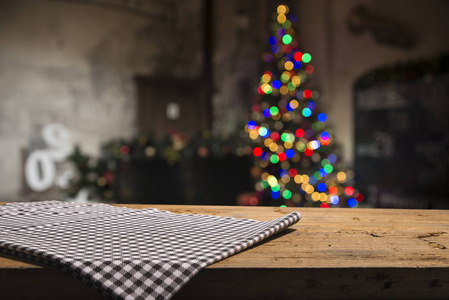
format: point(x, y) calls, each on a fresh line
point(402, 135)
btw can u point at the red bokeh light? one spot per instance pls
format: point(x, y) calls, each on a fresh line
point(299, 133)
point(349, 190)
point(257, 151)
point(307, 93)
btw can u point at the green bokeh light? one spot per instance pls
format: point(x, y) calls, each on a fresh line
point(274, 110)
point(325, 162)
point(306, 57)
point(287, 194)
point(285, 137)
point(264, 184)
point(287, 39)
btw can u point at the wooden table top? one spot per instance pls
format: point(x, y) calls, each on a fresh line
point(334, 239)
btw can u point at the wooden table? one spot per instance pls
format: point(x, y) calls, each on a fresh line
point(329, 254)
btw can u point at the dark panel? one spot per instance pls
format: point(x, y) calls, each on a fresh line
point(402, 135)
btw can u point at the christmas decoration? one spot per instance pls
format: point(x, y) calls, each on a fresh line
point(177, 146)
point(97, 175)
point(40, 166)
point(93, 180)
point(294, 153)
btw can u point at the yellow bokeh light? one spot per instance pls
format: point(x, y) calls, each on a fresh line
point(266, 78)
point(281, 19)
point(288, 145)
point(282, 9)
point(341, 176)
point(305, 178)
point(285, 75)
point(273, 147)
point(288, 65)
point(268, 142)
point(265, 175)
point(266, 88)
point(150, 151)
point(310, 189)
point(253, 135)
point(283, 90)
point(296, 80)
point(315, 196)
point(272, 181)
point(280, 149)
point(298, 178)
point(294, 103)
point(324, 197)
point(286, 117)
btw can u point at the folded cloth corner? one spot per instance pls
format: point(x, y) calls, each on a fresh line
point(127, 253)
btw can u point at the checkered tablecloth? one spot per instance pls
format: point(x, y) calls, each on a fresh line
point(127, 253)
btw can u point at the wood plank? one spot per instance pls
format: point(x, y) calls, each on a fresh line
point(330, 253)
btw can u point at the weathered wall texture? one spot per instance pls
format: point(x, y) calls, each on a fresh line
point(240, 38)
point(73, 63)
point(340, 57)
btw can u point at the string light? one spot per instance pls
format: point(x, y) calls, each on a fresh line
point(291, 134)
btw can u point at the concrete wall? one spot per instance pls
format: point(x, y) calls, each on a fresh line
point(73, 63)
point(340, 57)
point(240, 38)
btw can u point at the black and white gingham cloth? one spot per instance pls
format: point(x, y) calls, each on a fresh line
point(127, 253)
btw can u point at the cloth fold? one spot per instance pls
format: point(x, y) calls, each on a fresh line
point(127, 253)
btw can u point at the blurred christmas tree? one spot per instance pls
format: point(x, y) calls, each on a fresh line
point(295, 158)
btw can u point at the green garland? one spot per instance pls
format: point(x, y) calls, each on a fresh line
point(97, 175)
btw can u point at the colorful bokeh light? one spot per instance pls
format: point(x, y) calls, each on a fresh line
point(292, 137)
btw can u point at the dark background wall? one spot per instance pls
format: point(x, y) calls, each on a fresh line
point(75, 62)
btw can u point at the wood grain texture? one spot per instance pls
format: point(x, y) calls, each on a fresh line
point(330, 253)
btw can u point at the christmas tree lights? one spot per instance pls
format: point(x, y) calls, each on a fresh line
point(295, 163)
